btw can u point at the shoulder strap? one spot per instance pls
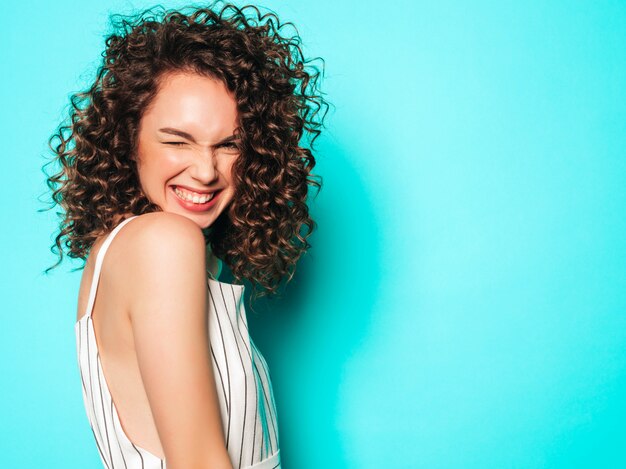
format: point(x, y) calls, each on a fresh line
point(100, 260)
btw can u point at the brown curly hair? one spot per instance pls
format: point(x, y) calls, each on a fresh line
point(278, 100)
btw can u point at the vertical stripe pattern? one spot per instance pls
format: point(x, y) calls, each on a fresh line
point(241, 373)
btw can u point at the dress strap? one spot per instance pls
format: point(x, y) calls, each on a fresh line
point(99, 261)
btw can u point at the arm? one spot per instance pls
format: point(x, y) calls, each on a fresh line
point(167, 272)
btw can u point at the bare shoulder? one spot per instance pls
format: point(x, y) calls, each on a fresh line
point(155, 247)
point(159, 228)
point(154, 237)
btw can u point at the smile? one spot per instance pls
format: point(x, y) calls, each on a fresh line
point(194, 201)
point(193, 197)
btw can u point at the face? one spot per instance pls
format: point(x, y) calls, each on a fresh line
point(185, 148)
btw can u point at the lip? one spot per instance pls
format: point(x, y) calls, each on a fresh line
point(196, 207)
point(191, 189)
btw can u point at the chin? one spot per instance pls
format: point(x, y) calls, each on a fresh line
point(203, 221)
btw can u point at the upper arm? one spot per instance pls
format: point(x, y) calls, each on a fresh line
point(167, 305)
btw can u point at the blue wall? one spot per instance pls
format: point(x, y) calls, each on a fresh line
point(464, 303)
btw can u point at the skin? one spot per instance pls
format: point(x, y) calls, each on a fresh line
point(149, 315)
point(204, 109)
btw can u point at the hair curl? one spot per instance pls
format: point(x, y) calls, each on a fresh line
point(259, 237)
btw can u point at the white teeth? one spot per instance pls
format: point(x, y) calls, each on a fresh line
point(193, 197)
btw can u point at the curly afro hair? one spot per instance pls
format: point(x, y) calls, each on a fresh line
point(278, 102)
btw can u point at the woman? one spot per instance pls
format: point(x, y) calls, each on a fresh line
point(185, 154)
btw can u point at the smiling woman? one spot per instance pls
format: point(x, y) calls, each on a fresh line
point(213, 89)
point(193, 176)
point(192, 130)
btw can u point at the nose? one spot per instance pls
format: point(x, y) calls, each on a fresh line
point(204, 167)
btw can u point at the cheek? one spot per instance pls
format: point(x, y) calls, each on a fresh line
point(158, 165)
point(228, 168)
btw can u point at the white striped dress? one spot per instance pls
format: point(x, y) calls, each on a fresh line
point(241, 373)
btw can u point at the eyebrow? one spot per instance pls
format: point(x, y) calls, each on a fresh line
point(188, 136)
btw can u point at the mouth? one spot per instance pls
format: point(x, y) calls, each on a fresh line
point(194, 201)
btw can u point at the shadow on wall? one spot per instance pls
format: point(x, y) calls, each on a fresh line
point(309, 334)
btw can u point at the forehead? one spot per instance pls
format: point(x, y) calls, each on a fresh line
point(193, 101)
